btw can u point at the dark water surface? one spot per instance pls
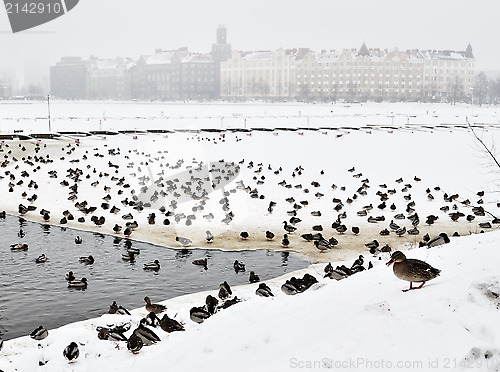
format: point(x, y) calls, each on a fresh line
point(34, 294)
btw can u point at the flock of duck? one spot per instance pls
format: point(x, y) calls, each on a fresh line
point(97, 196)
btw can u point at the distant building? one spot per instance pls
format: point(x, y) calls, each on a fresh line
point(174, 75)
point(354, 75)
point(109, 78)
point(68, 78)
point(5, 89)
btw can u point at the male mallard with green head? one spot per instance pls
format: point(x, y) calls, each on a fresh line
point(412, 270)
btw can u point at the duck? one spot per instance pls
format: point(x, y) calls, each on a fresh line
point(87, 260)
point(225, 291)
point(155, 265)
point(19, 247)
point(155, 308)
point(285, 242)
point(412, 270)
point(147, 335)
point(114, 308)
point(78, 284)
point(210, 237)
point(441, 239)
point(238, 266)
point(78, 240)
point(170, 325)
point(41, 259)
point(323, 244)
point(264, 291)
point(71, 352)
point(269, 235)
point(254, 278)
point(70, 276)
point(289, 228)
point(355, 230)
point(201, 262)
point(152, 320)
point(198, 314)
point(244, 235)
point(39, 333)
point(134, 343)
point(110, 334)
point(211, 304)
point(183, 241)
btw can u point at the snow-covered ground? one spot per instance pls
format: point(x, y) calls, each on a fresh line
point(362, 319)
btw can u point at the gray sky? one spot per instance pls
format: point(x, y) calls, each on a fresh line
point(110, 28)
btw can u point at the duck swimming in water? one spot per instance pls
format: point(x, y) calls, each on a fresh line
point(78, 284)
point(87, 260)
point(412, 270)
point(155, 265)
point(41, 259)
point(70, 276)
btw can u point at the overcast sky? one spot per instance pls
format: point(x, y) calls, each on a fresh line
point(110, 28)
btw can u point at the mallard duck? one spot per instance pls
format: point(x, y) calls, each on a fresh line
point(134, 343)
point(155, 308)
point(128, 257)
point(71, 352)
point(170, 325)
point(155, 265)
point(78, 284)
point(41, 259)
point(147, 335)
point(152, 320)
point(269, 235)
point(225, 291)
point(229, 303)
point(288, 228)
point(244, 235)
point(439, 240)
point(110, 334)
point(198, 314)
point(238, 266)
point(87, 260)
point(39, 333)
point(115, 309)
point(70, 276)
point(201, 262)
point(211, 304)
point(254, 278)
point(285, 242)
point(412, 270)
point(210, 237)
point(264, 291)
point(78, 240)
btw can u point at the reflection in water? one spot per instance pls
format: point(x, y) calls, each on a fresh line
point(45, 297)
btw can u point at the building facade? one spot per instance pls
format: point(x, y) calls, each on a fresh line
point(353, 75)
point(68, 78)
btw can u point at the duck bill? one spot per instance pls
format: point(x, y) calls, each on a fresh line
point(390, 262)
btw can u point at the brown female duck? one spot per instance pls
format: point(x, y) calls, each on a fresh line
point(412, 270)
point(155, 308)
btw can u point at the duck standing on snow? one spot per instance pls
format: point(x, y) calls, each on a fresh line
point(71, 352)
point(155, 308)
point(439, 240)
point(170, 325)
point(412, 270)
point(39, 333)
point(210, 236)
point(264, 291)
point(183, 241)
point(225, 291)
point(134, 343)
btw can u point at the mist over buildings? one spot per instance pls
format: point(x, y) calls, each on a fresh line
point(113, 28)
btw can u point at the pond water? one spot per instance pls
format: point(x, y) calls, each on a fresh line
point(33, 294)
